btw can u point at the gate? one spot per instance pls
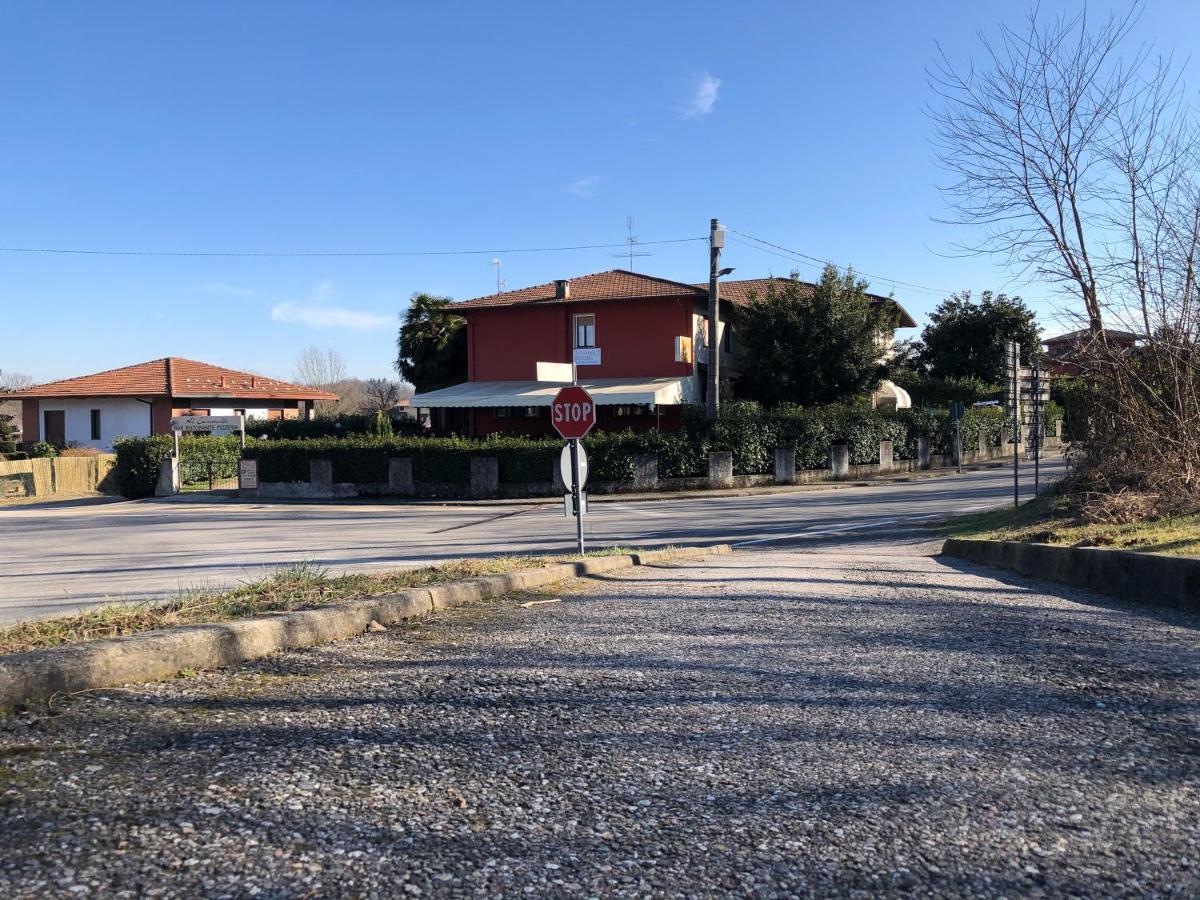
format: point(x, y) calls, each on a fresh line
point(208, 464)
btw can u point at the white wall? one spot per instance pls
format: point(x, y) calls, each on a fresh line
point(252, 412)
point(119, 417)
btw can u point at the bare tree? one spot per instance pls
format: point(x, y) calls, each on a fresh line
point(380, 394)
point(1080, 163)
point(14, 381)
point(319, 368)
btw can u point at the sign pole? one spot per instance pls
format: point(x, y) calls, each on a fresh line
point(577, 494)
point(1016, 395)
point(1037, 427)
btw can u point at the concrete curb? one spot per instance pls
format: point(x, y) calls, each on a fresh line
point(1172, 581)
point(157, 655)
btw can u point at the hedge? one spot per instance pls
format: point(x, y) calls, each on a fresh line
point(343, 425)
point(138, 463)
point(749, 433)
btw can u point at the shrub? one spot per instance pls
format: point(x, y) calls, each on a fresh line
point(138, 463)
point(342, 425)
point(381, 426)
point(43, 450)
point(79, 451)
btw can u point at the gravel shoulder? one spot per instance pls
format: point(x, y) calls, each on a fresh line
point(832, 719)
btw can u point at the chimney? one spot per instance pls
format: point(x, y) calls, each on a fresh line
point(562, 289)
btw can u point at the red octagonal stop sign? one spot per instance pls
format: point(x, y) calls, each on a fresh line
point(573, 413)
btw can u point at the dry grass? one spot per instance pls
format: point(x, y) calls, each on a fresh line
point(301, 586)
point(1118, 522)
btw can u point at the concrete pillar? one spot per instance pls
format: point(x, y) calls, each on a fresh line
point(924, 460)
point(645, 471)
point(1058, 429)
point(785, 465)
point(168, 477)
point(485, 476)
point(983, 442)
point(320, 474)
point(956, 449)
point(839, 460)
point(720, 468)
point(886, 456)
point(400, 477)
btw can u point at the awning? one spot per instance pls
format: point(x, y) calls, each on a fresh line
point(890, 393)
point(605, 391)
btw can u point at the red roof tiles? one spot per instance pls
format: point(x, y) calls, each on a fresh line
point(621, 284)
point(174, 376)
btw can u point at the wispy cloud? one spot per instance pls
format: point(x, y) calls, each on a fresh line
point(703, 97)
point(584, 187)
point(224, 290)
point(329, 317)
point(318, 313)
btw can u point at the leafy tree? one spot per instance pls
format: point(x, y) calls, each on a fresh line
point(432, 344)
point(965, 338)
point(812, 348)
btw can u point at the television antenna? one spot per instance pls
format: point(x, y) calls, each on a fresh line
point(500, 282)
point(633, 243)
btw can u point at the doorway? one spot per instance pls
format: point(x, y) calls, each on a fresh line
point(54, 427)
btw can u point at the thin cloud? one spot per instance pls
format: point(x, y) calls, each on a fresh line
point(704, 96)
point(224, 290)
point(584, 186)
point(329, 317)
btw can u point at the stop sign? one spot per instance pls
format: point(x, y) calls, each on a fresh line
point(573, 413)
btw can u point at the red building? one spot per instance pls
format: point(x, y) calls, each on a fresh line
point(640, 343)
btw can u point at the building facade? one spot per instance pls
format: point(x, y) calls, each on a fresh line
point(139, 400)
point(639, 344)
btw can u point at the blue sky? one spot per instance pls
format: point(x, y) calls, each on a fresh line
point(302, 126)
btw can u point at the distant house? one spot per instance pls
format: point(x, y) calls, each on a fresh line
point(1063, 349)
point(139, 400)
point(644, 339)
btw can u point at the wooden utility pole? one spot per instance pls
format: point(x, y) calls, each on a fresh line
point(716, 240)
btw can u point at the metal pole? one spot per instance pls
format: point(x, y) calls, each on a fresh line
point(576, 494)
point(1016, 395)
point(1037, 427)
point(714, 319)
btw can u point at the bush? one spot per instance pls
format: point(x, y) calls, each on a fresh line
point(138, 463)
point(79, 451)
point(43, 450)
point(939, 393)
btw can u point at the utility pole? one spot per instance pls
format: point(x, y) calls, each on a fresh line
point(716, 240)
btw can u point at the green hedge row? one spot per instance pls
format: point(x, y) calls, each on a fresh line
point(343, 425)
point(749, 433)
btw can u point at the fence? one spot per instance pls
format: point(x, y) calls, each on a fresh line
point(485, 481)
point(63, 475)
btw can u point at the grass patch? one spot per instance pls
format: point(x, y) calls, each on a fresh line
point(300, 586)
point(1051, 519)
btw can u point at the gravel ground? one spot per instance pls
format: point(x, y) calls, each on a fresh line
point(850, 719)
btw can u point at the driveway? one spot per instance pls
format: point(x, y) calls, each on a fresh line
point(60, 558)
point(854, 719)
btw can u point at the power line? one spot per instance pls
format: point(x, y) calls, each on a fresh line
point(796, 254)
point(317, 253)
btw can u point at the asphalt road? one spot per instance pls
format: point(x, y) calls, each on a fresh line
point(848, 718)
point(61, 557)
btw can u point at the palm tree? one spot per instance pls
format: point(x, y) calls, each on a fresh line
point(432, 344)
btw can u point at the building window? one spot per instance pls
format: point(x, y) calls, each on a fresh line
point(585, 331)
point(240, 412)
point(273, 414)
point(95, 424)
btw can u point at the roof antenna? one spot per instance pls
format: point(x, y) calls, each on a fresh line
point(633, 243)
point(500, 282)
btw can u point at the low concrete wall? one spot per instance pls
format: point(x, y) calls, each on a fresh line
point(1172, 581)
point(156, 655)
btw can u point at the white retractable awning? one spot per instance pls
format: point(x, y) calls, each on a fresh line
point(893, 395)
point(605, 391)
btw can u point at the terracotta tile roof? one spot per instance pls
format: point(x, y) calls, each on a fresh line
point(175, 377)
point(739, 292)
point(615, 284)
point(621, 284)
